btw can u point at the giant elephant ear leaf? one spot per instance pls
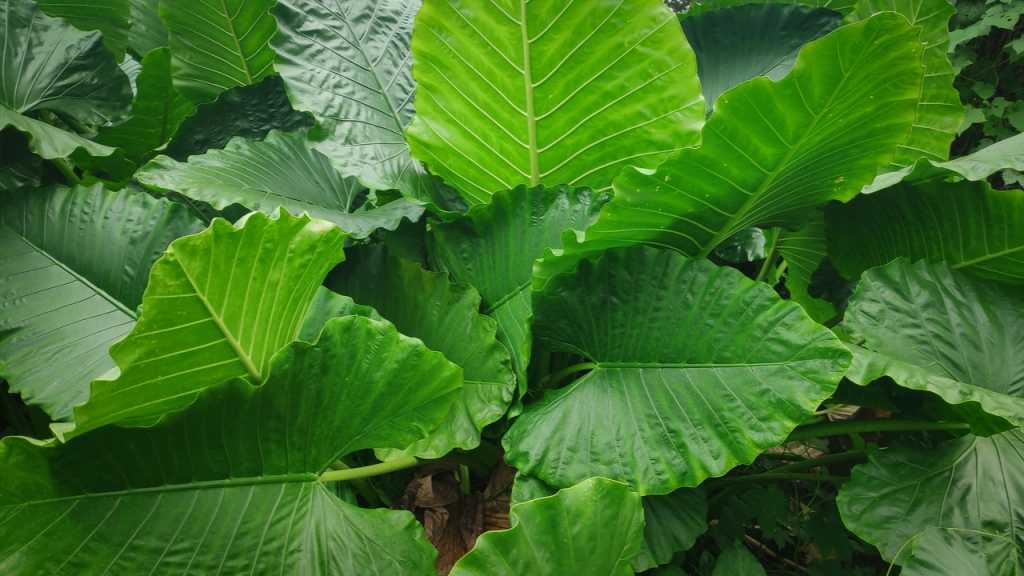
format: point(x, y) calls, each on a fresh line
point(50, 67)
point(595, 527)
point(110, 17)
point(968, 225)
point(958, 338)
point(939, 112)
point(494, 246)
point(231, 484)
point(941, 551)
point(772, 150)
point(73, 266)
point(219, 305)
point(279, 171)
point(507, 97)
point(696, 369)
point(445, 316)
point(349, 65)
point(736, 43)
point(905, 490)
point(219, 45)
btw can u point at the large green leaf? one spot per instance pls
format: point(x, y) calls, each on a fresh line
point(595, 527)
point(157, 111)
point(968, 225)
point(737, 560)
point(148, 31)
point(349, 65)
point(231, 484)
point(246, 111)
point(772, 150)
point(49, 66)
point(696, 369)
point(494, 246)
point(73, 266)
point(280, 171)
point(933, 329)
point(672, 523)
point(549, 91)
point(939, 112)
point(219, 305)
point(110, 17)
point(736, 43)
point(426, 305)
point(942, 551)
point(970, 483)
point(218, 45)
point(803, 250)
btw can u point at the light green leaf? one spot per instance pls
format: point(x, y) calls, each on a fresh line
point(549, 92)
point(49, 141)
point(218, 45)
point(595, 527)
point(494, 246)
point(736, 560)
point(772, 150)
point(280, 171)
point(327, 305)
point(157, 111)
point(349, 65)
point(1008, 153)
point(736, 43)
point(219, 305)
point(933, 329)
point(672, 523)
point(696, 8)
point(803, 250)
point(74, 265)
point(697, 369)
point(426, 305)
point(941, 551)
point(148, 31)
point(968, 225)
point(110, 17)
point(970, 483)
point(939, 112)
point(231, 483)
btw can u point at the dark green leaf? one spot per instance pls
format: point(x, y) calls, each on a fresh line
point(110, 17)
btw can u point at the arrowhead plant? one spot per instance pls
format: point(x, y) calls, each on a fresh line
point(480, 287)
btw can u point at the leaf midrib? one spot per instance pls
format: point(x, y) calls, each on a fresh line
point(531, 119)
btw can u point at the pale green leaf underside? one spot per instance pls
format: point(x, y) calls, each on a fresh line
point(494, 246)
point(968, 225)
point(957, 337)
point(736, 43)
point(280, 171)
point(219, 305)
point(595, 527)
point(549, 91)
point(73, 265)
point(230, 484)
point(939, 112)
point(49, 141)
point(218, 44)
point(969, 483)
point(426, 305)
point(698, 369)
point(349, 64)
point(772, 150)
point(941, 551)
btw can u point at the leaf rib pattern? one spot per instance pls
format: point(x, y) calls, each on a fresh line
point(75, 264)
point(219, 305)
point(555, 109)
point(698, 370)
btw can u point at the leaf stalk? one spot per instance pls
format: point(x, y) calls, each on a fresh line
point(400, 463)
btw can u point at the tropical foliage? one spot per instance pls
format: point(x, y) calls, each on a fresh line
point(511, 287)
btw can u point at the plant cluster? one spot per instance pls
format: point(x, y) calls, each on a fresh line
point(499, 287)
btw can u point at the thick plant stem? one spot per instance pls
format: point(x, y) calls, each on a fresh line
point(849, 456)
point(65, 168)
point(399, 463)
point(861, 426)
point(769, 257)
point(555, 378)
